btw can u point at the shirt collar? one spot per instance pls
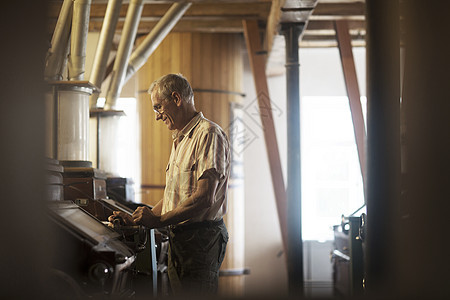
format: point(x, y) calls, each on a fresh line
point(189, 126)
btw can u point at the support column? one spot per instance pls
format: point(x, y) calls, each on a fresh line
point(257, 59)
point(383, 144)
point(292, 33)
point(354, 97)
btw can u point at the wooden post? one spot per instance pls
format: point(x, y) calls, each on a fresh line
point(354, 97)
point(257, 59)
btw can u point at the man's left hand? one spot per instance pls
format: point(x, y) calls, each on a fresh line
point(144, 216)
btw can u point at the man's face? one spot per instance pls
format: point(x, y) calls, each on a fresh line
point(165, 110)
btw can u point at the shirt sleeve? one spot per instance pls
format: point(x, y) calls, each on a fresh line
point(213, 154)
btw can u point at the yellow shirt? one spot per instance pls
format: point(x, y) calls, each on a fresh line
point(200, 146)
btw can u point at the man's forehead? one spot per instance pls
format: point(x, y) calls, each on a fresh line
point(155, 100)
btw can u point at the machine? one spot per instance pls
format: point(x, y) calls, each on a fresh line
point(92, 256)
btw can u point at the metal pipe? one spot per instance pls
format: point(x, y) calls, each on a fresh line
point(123, 52)
point(292, 33)
point(60, 41)
point(55, 123)
point(63, 66)
point(155, 37)
point(98, 141)
point(104, 47)
point(80, 28)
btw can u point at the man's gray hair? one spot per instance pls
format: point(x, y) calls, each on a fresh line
point(167, 84)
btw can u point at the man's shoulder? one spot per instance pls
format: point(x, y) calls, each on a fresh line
point(209, 126)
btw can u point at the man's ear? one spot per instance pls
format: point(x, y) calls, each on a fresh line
point(177, 98)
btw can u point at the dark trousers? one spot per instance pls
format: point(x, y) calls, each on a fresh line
point(195, 254)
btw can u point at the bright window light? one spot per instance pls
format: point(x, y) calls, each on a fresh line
point(119, 142)
point(331, 175)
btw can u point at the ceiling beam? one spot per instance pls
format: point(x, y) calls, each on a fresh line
point(261, 9)
point(328, 37)
point(230, 26)
point(340, 9)
point(328, 44)
point(226, 16)
point(272, 22)
point(172, 1)
point(329, 25)
point(224, 26)
point(201, 17)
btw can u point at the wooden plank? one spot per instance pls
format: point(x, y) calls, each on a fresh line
point(329, 25)
point(258, 8)
point(230, 26)
point(354, 97)
point(258, 64)
point(272, 22)
point(193, 1)
point(201, 17)
point(339, 9)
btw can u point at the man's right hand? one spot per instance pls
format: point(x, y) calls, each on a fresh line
point(127, 219)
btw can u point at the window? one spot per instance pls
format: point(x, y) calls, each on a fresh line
point(331, 175)
point(119, 141)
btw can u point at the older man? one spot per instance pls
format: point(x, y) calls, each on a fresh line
point(195, 197)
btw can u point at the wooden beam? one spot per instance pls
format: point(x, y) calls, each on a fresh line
point(354, 97)
point(213, 9)
point(224, 26)
point(201, 16)
point(328, 44)
point(258, 59)
point(323, 35)
point(272, 22)
point(261, 9)
point(230, 26)
point(172, 1)
point(329, 25)
point(340, 9)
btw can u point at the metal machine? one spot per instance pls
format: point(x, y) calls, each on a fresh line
point(348, 256)
point(93, 257)
point(88, 259)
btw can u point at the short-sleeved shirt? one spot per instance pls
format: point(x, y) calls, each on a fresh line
point(200, 146)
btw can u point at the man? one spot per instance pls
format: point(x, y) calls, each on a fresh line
point(195, 196)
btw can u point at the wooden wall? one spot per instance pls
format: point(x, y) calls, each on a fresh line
point(212, 62)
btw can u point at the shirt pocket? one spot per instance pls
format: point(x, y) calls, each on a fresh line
point(185, 173)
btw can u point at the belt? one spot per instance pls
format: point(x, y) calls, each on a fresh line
point(196, 225)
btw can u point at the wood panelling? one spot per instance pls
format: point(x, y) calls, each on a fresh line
point(170, 57)
point(213, 65)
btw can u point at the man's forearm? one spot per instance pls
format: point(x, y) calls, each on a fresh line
point(189, 209)
point(193, 206)
point(157, 209)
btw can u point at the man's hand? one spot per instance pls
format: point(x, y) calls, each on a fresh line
point(127, 219)
point(144, 216)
